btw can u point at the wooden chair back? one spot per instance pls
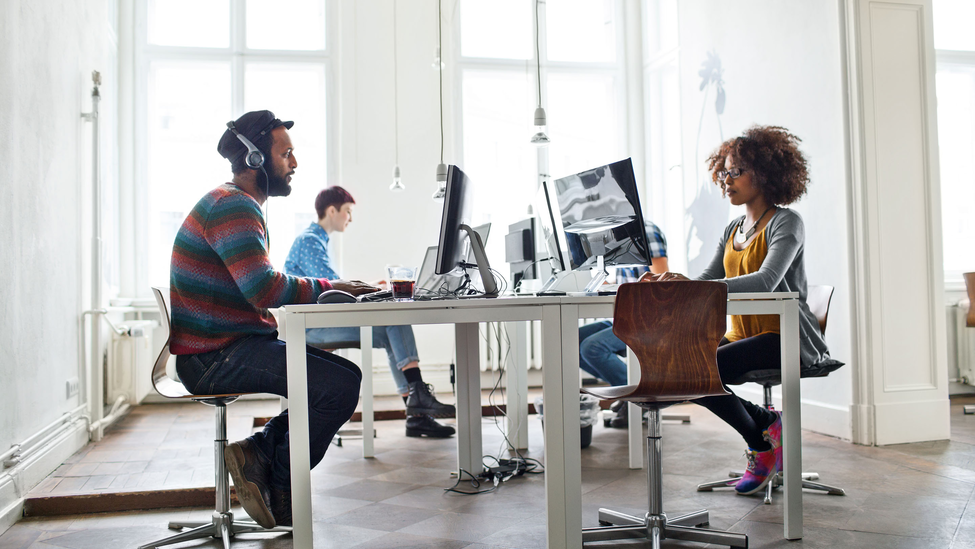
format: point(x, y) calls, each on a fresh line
point(818, 298)
point(165, 385)
point(970, 286)
point(674, 329)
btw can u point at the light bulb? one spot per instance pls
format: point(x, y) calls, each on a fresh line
point(437, 64)
point(540, 138)
point(397, 184)
point(441, 191)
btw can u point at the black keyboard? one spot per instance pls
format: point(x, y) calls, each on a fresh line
point(381, 295)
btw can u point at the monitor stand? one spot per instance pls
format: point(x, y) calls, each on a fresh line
point(483, 267)
point(597, 279)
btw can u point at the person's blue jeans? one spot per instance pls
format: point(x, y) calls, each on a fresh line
point(257, 364)
point(600, 351)
point(398, 341)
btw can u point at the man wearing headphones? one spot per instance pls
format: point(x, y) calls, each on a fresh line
point(225, 339)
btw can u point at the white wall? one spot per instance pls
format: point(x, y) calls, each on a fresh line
point(47, 53)
point(781, 66)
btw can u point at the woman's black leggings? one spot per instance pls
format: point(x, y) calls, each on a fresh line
point(761, 352)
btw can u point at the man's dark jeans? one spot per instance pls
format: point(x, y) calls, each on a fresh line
point(257, 364)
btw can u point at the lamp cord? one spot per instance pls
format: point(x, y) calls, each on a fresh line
point(538, 57)
point(395, 89)
point(440, 67)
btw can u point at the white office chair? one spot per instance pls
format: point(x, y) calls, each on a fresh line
point(222, 524)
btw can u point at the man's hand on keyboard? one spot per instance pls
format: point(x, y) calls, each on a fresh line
point(354, 287)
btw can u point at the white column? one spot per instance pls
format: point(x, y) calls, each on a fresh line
point(634, 429)
point(900, 368)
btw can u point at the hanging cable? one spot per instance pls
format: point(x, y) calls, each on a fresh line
point(538, 57)
point(440, 49)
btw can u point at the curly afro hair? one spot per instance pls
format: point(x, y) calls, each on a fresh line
point(772, 155)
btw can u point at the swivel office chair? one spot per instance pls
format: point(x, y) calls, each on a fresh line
point(818, 299)
point(222, 524)
point(674, 329)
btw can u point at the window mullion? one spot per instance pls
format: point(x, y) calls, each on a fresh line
point(238, 43)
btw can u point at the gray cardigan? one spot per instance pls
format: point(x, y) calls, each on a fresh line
point(782, 271)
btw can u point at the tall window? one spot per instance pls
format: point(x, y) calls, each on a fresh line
point(205, 62)
point(663, 132)
point(955, 47)
point(581, 55)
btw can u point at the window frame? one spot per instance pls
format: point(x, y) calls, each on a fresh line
point(237, 55)
point(616, 70)
point(953, 60)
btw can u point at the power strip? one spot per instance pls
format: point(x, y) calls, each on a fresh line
point(505, 470)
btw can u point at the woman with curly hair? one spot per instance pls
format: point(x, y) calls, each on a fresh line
point(761, 251)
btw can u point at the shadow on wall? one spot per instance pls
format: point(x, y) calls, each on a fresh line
point(708, 212)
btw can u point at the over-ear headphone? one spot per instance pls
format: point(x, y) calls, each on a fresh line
point(254, 158)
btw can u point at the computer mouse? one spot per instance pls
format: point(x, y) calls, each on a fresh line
point(336, 296)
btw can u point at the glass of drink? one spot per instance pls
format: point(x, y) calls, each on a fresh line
point(401, 281)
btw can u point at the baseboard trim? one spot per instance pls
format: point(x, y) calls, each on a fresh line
point(905, 422)
point(819, 417)
point(16, 482)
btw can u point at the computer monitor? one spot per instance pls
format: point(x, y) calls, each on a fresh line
point(597, 220)
point(519, 251)
point(455, 231)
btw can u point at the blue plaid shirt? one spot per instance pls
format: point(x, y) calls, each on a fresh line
point(309, 255)
point(657, 240)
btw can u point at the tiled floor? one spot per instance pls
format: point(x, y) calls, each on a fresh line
point(906, 496)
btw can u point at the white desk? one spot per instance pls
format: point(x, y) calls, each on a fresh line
point(784, 304)
point(562, 491)
point(560, 345)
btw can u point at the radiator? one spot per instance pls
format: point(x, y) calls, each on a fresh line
point(961, 343)
point(130, 360)
point(495, 342)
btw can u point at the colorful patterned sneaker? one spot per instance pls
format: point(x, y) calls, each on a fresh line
point(761, 468)
point(773, 435)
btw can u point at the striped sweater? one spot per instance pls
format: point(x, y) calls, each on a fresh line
point(221, 280)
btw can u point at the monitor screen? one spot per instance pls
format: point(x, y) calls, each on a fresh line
point(457, 210)
point(601, 216)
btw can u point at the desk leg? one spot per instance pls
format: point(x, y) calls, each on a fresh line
point(298, 430)
point(634, 430)
point(563, 462)
point(468, 398)
point(791, 420)
point(365, 345)
point(517, 383)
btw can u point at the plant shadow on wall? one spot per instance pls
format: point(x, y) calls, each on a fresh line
point(708, 213)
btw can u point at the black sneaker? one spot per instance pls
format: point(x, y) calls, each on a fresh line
point(426, 426)
point(250, 480)
point(281, 506)
point(421, 402)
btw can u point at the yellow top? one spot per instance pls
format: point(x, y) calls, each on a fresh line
point(738, 263)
